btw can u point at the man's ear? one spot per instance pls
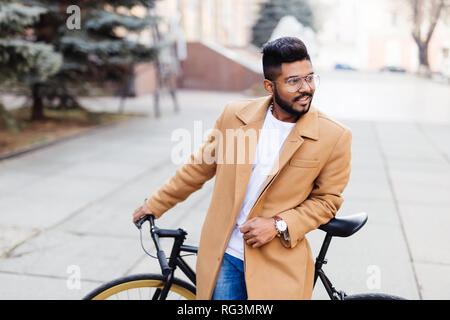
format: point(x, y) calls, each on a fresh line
point(268, 85)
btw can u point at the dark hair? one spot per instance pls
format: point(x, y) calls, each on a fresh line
point(278, 51)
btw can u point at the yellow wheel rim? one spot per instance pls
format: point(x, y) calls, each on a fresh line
point(143, 284)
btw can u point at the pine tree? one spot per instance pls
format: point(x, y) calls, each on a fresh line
point(271, 13)
point(22, 60)
point(92, 53)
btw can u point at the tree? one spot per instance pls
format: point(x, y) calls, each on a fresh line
point(425, 16)
point(91, 35)
point(272, 11)
point(22, 60)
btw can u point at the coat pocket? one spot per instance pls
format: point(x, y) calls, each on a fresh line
point(304, 163)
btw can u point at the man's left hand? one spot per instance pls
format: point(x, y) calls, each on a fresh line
point(258, 231)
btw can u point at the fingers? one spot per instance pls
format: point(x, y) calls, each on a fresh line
point(258, 231)
point(254, 242)
point(253, 239)
point(141, 211)
point(250, 237)
point(137, 214)
point(247, 226)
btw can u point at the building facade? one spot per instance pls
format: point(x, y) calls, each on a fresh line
point(365, 34)
point(226, 22)
point(372, 34)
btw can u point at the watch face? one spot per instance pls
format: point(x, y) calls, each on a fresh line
point(281, 225)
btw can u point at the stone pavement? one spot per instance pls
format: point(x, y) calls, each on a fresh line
point(67, 208)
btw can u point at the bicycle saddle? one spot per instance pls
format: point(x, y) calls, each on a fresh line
point(345, 226)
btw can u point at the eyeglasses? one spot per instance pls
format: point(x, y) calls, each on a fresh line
point(294, 84)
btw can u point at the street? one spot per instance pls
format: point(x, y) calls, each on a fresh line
point(66, 210)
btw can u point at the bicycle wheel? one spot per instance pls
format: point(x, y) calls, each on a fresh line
point(372, 296)
point(141, 287)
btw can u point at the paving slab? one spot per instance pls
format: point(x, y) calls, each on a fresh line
point(51, 200)
point(426, 228)
point(379, 211)
point(433, 280)
point(13, 236)
point(376, 251)
point(30, 287)
point(50, 254)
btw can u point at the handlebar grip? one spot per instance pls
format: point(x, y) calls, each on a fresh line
point(141, 221)
point(165, 269)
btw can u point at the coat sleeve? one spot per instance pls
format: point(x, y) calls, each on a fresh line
point(189, 177)
point(326, 197)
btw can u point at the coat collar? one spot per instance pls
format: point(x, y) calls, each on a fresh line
point(252, 115)
point(306, 126)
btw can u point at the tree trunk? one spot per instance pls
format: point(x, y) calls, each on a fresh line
point(435, 9)
point(9, 123)
point(37, 111)
point(424, 66)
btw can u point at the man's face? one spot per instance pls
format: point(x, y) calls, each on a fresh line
point(295, 103)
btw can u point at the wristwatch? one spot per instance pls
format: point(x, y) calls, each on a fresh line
point(280, 225)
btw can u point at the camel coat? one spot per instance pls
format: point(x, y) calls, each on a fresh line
point(304, 188)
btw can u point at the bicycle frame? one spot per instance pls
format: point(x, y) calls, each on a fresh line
point(319, 273)
point(175, 260)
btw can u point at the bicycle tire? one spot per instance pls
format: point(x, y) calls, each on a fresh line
point(137, 282)
point(372, 296)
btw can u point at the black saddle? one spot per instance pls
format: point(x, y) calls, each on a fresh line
point(345, 226)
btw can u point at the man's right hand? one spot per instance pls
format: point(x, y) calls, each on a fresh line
point(141, 211)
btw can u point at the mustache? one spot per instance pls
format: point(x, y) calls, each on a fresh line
point(303, 95)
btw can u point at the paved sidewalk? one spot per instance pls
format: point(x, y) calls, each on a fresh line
point(68, 207)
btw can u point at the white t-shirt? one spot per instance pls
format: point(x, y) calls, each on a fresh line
point(272, 136)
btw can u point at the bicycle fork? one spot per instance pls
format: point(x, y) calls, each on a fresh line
point(161, 294)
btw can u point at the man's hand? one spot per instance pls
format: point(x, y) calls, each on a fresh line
point(258, 231)
point(140, 212)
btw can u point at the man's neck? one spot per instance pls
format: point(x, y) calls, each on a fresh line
point(282, 115)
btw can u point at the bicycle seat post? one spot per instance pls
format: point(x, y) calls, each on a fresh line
point(320, 260)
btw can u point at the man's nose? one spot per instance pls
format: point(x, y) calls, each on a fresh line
point(305, 87)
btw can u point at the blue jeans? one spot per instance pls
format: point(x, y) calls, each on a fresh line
point(230, 283)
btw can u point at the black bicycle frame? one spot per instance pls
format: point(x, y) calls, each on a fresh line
point(175, 259)
point(319, 273)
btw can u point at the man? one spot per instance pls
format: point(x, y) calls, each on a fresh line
point(253, 243)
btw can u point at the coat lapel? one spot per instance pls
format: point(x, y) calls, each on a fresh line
point(307, 126)
point(253, 117)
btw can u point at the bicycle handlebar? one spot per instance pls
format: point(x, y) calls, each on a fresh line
point(155, 232)
point(141, 221)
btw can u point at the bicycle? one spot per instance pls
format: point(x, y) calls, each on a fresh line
point(166, 285)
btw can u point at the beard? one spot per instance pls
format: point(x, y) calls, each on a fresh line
point(289, 107)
